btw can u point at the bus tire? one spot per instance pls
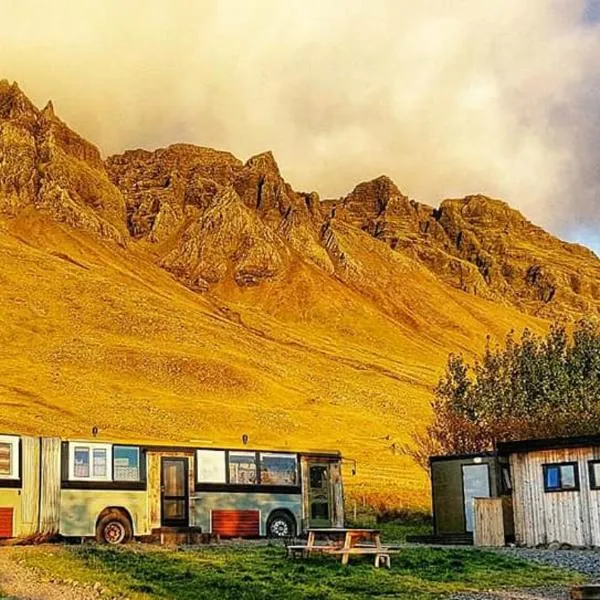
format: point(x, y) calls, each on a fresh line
point(114, 528)
point(281, 525)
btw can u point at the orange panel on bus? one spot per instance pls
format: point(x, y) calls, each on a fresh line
point(236, 523)
point(6, 522)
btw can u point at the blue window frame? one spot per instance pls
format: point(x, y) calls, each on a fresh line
point(561, 477)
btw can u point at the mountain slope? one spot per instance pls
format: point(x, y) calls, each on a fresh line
point(182, 295)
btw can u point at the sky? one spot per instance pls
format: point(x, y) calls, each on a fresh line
point(447, 97)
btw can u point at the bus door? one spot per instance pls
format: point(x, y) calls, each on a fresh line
point(319, 495)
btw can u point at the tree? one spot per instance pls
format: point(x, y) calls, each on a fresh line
point(538, 386)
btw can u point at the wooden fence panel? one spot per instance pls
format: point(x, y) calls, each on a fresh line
point(30, 494)
point(50, 482)
point(489, 522)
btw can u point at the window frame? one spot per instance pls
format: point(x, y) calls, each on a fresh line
point(13, 477)
point(594, 485)
point(286, 455)
point(90, 447)
point(573, 464)
point(141, 471)
point(254, 488)
point(68, 482)
point(224, 454)
point(506, 487)
point(248, 453)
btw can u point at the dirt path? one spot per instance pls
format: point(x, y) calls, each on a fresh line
point(20, 582)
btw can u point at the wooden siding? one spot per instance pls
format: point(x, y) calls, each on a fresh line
point(540, 517)
point(489, 522)
point(30, 493)
point(6, 522)
point(337, 495)
point(50, 487)
point(235, 523)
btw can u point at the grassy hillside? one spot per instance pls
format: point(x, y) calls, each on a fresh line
point(93, 334)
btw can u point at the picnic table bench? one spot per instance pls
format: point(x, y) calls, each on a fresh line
point(345, 542)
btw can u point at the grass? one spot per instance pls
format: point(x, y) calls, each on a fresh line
point(395, 526)
point(256, 572)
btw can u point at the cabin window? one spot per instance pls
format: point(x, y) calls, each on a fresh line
point(506, 480)
point(594, 466)
point(278, 469)
point(211, 466)
point(89, 462)
point(559, 477)
point(126, 463)
point(9, 457)
point(242, 468)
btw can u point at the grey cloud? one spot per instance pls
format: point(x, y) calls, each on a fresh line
point(448, 98)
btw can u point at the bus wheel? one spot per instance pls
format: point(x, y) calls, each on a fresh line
point(281, 525)
point(114, 528)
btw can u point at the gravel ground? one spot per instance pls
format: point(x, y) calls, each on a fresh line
point(22, 583)
point(583, 561)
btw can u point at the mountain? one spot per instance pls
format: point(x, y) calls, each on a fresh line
point(184, 295)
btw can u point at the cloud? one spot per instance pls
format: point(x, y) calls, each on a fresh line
point(448, 98)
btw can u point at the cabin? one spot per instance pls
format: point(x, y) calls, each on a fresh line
point(556, 490)
point(117, 491)
point(456, 480)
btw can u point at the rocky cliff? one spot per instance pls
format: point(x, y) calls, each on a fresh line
point(481, 246)
point(207, 218)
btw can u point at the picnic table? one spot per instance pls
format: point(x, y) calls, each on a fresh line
point(344, 542)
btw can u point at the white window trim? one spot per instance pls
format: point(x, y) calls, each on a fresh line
point(13, 440)
point(199, 453)
point(90, 446)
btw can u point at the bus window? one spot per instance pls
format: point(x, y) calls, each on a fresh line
point(278, 469)
point(242, 467)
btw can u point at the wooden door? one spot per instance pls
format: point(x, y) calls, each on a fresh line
point(174, 492)
point(319, 495)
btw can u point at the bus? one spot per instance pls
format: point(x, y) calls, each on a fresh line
point(116, 491)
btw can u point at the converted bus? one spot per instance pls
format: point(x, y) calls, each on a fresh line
point(117, 491)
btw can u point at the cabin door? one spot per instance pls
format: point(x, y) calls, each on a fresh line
point(174, 492)
point(319, 495)
point(476, 484)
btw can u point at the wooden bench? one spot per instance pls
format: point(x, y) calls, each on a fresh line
point(305, 551)
point(381, 554)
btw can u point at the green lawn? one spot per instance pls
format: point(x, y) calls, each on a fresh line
point(256, 572)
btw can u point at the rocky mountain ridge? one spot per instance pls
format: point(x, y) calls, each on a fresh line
point(183, 294)
point(208, 218)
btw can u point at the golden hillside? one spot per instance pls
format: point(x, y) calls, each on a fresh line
point(182, 295)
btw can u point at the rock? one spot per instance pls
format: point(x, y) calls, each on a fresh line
point(554, 546)
point(479, 245)
point(45, 165)
point(208, 218)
